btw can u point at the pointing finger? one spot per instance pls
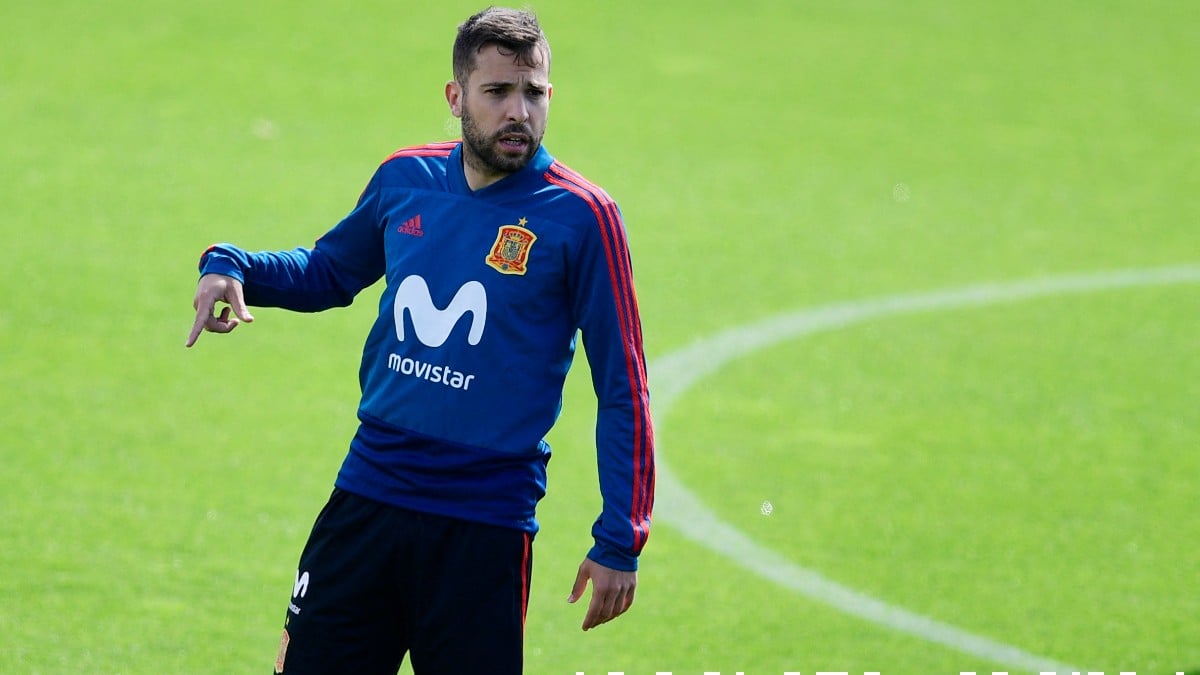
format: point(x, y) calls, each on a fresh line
point(203, 314)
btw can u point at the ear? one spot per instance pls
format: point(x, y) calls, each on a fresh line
point(454, 97)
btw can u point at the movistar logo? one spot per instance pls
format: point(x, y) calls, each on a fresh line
point(432, 325)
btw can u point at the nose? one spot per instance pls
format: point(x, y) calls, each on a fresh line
point(518, 109)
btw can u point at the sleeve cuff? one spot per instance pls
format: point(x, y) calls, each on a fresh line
point(214, 261)
point(613, 558)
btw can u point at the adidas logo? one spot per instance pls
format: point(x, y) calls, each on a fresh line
point(412, 226)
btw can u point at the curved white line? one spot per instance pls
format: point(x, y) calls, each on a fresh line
point(674, 374)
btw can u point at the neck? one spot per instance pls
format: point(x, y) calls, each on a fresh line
point(478, 174)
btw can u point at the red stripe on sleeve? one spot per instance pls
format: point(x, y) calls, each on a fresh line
point(644, 500)
point(622, 254)
point(621, 278)
point(442, 149)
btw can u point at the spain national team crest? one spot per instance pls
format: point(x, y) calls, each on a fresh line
point(510, 253)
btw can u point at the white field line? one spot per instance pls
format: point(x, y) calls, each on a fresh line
point(674, 374)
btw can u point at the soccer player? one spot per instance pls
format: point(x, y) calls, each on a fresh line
point(495, 255)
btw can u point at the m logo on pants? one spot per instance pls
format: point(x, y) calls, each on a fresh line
point(301, 587)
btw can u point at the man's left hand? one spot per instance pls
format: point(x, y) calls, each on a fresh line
point(612, 592)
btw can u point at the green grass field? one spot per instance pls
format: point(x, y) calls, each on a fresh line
point(1023, 471)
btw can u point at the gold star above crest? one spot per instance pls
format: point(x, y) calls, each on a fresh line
point(522, 222)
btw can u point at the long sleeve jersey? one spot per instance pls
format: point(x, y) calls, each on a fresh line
point(463, 370)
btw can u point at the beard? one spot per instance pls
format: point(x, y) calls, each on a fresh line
point(483, 150)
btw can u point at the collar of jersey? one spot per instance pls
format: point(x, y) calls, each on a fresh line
point(535, 168)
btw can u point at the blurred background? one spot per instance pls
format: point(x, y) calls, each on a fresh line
point(1020, 468)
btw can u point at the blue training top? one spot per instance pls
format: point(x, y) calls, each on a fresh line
point(462, 372)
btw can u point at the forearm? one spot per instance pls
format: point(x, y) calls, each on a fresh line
point(625, 460)
point(303, 280)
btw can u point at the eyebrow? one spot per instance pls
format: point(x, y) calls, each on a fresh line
point(506, 84)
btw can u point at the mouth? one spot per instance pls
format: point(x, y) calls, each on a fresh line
point(514, 142)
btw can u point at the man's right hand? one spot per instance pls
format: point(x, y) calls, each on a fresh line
point(214, 288)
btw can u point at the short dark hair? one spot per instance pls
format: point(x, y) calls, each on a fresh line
point(513, 30)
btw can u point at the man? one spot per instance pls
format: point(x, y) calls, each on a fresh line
point(495, 254)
